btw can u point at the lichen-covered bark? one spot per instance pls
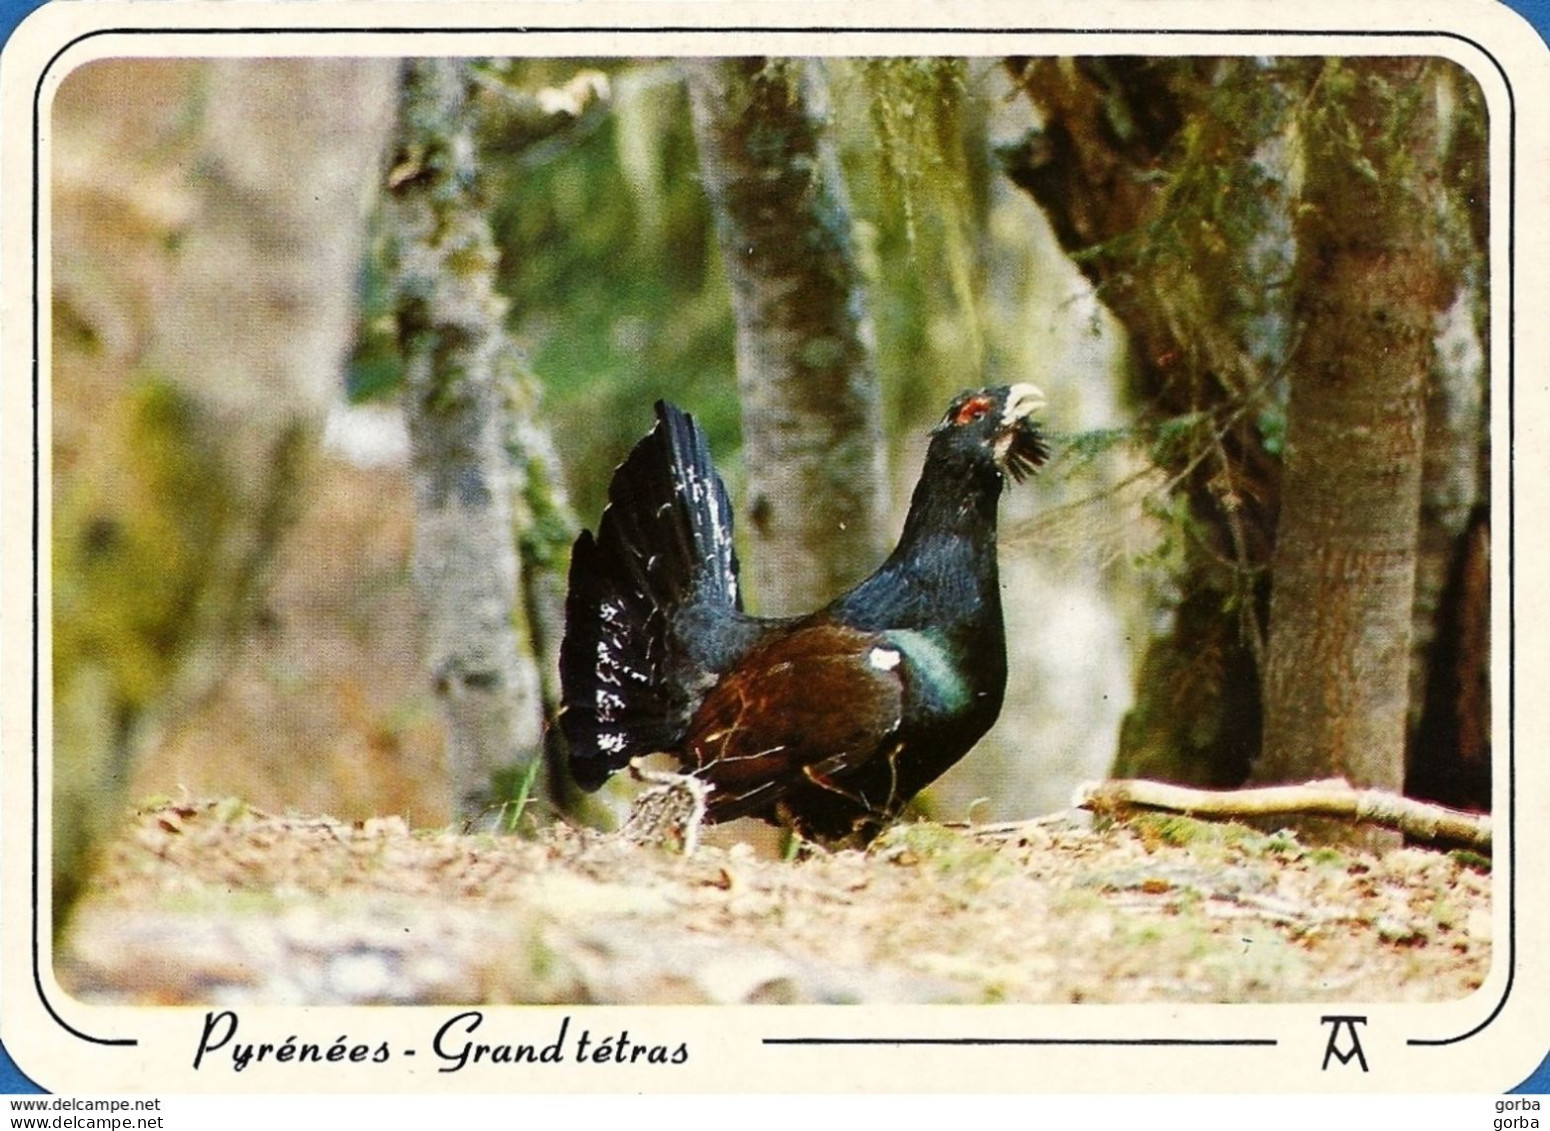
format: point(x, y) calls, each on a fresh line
point(1174, 184)
point(813, 454)
point(1368, 287)
point(450, 330)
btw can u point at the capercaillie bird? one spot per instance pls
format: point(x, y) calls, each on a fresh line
point(828, 723)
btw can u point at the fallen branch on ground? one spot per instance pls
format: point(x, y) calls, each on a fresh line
point(1333, 798)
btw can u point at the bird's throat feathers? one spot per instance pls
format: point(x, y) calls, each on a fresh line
point(952, 519)
point(940, 578)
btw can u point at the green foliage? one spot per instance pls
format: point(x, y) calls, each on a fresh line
point(1271, 423)
point(1179, 831)
point(375, 369)
point(615, 291)
point(1326, 857)
point(1078, 449)
point(903, 126)
point(546, 536)
point(1333, 122)
point(615, 287)
point(133, 552)
point(1284, 842)
point(916, 107)
point(609, 268)
point(1218, 250)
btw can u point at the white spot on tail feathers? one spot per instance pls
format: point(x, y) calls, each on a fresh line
point(607, 703)
point(883, 659)
point(702, 493)
point(611, 743)
point(610, 668)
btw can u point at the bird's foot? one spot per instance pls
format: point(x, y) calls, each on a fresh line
point(669, 813)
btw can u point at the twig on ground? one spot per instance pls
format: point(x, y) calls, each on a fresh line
point(1332, 798)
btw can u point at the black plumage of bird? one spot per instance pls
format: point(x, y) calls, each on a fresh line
point(828, 723)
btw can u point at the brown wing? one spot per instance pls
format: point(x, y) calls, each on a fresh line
point(811, 705)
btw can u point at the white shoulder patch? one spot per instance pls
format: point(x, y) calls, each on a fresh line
point(883, 659)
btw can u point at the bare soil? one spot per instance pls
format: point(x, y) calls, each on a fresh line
point(214, 902)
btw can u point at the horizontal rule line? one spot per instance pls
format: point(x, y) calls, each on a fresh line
point(1019, 1041)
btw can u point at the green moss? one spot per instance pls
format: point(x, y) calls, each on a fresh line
point(542, 960)
point(1179, 831)
point(131, 551)
point(1445, 913)
point(512, 789)
point(136, 538)
point(1283, 842)
point(916, 107)
point(948, 853)
point(1326, 857)
point(1468, 859)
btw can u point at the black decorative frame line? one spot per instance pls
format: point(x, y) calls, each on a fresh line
point(1236, 33)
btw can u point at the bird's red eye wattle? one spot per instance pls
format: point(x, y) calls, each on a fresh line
point(973, 409)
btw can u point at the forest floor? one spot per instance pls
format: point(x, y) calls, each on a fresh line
point(214, 902)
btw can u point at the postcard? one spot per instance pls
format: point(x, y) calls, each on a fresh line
point(722, 548)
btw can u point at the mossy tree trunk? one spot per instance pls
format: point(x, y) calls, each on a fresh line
point(1174, 183)
point(814, 459)
point(545, 528)
point(458, 370)
point(1369, 285)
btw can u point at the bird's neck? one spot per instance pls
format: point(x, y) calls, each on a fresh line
point(943, 572)
point(952, 505)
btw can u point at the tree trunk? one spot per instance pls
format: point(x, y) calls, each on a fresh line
point(812, 433)
point(545, 528)
point(1449, 759)
point(1368, 287)
point(163, 546)
point(258, 323)
point(457, 368)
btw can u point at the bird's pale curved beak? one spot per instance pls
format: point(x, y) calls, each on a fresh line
point(1022, 401)
point(1021, 448)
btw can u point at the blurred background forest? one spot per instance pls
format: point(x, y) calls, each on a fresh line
point(291, 297)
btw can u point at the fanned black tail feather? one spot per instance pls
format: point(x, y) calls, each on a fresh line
point(663, 547)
